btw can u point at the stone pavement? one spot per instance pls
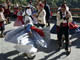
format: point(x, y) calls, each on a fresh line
point(8, 52)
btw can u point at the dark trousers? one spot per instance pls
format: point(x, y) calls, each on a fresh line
point(65, 31)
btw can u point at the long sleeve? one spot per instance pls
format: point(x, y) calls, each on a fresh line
point(58, 19)
point(70, 16)
point(2, 17)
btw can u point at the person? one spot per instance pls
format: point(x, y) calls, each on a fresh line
point(73, 26)
point(2, 19)
point(27, 14)
point(8, 3)
point(47, 9)
point(19, 20)
point(28, 11)
point(63, 19)
point(31, 6)
point(27, 38)
point(41, 15)
point(4, 4)
point(16, 9)
point(7, 14)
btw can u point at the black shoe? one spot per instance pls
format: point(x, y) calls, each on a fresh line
point(68, 51)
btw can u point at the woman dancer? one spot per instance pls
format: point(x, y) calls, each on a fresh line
point(28, 38)
point(41, 15)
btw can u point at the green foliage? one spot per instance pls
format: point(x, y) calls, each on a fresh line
point(70, 3)
point(52, 3)
point(2, 1)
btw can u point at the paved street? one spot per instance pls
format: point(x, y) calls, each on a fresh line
point(8, 52)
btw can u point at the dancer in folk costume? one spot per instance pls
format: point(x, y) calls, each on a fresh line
point(28, 11)
point(31, 6)
point(2, 19)
point(41, 15)
point(15, 10)
point(7, 14)
point(47, 9)
point(73, 26)
point(63, 19)
point(27, 38)
point(19, 20)
point(41, 18)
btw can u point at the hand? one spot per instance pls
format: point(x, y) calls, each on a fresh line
point(39, 20)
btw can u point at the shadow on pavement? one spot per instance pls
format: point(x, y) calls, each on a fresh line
point(55, 58)
point(12, 53)
point(52, 49)
point(76, 42)
point(52, 46)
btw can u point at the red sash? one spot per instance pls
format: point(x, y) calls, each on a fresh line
point(39, 31)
